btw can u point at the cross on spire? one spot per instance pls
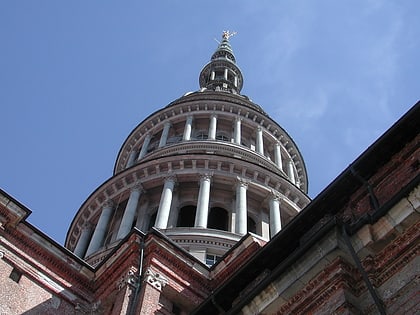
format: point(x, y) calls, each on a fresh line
point(228, 34)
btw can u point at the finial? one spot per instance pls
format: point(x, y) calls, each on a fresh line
point(228, 34)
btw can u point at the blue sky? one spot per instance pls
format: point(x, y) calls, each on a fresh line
point(77, 76)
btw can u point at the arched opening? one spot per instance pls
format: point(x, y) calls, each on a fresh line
point(202, 135)
point(252, 226)
point(186, 216)
point(218, 219)
point(222, 137)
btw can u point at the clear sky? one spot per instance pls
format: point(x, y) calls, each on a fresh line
point(77, 76)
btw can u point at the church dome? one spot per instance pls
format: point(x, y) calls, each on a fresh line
point(204, 170)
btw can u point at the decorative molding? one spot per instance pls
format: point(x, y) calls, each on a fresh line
point(155, 279)
point(130, 278)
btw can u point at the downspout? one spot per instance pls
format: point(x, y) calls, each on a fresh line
point(378, 302)
point(135, 302)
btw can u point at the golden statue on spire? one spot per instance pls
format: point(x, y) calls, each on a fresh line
point(228, 34)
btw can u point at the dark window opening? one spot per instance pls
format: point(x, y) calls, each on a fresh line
point(186, 216)
point(211, 259)
point(218, 219)
point(219, 74)
point(222, 138)
point(15, 275)
point(252, 226)
point(202, 136)
point(152, 221)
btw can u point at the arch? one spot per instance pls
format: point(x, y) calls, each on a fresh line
point(218, 219)
point(252, 226)
point(186, 216)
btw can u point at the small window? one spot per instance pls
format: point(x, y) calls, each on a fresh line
point(211, 259)
point(15, 275)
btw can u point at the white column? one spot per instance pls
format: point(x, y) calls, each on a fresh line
point(165, 133)
point(101, 227)
point(259, 143)
point(202, 213)
point(241, 207)
point(291, 171)
point(129, 212)
point(212, 128)
point(226, 74)
point(275, 219)
point(131, 158)
point(83, 241)
point(213, 75)
point(187, 129)
point(237, 130)
point(165, 203)
point(277, 155)
point(145, 146)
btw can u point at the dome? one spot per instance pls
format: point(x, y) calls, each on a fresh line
point(204, 170)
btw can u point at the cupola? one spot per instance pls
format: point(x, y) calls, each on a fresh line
point(222, 73)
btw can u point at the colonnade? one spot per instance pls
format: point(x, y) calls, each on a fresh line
point(212, 132)
point(89, 245)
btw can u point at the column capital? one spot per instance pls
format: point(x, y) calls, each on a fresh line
point(170, 178)
point(87, 225)
point(137, 186)
point(239, 118)
point(274, 195)
point(167, 123)
point(213, 115)
point(109, 203)
point(206, 176)
point(241, 182)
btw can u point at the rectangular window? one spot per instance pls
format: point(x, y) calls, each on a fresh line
point(211, 259)
point(15, 275)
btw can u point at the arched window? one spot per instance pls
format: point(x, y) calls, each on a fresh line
point(218, 219)
point(186, 216)
point(221, 137)
point(201, 135)
point(252, 226)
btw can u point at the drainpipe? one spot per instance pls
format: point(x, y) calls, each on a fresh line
point(132, 309)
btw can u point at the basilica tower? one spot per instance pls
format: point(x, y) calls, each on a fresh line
point(204, 170)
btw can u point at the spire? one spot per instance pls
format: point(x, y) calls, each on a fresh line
point(222, 73)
